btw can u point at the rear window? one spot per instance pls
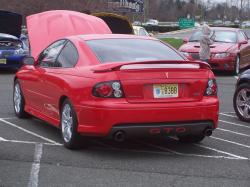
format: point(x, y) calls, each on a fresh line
point(132, 50)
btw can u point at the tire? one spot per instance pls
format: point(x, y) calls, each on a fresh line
point(18, 101)
point(69, 124)
point(241, 102)
point(236, 70)
point(191, 138)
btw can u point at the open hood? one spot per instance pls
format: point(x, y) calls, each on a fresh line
point(47, 27)
point(10, 23)
point(117, 23)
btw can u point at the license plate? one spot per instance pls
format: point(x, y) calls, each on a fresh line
point(3, 61)
point(165, 90)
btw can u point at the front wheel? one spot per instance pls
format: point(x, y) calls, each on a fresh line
point(69, 126)
point(241, 102)
point(191, 138)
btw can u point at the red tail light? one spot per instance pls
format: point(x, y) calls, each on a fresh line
point(111, 89)
point(211, 88)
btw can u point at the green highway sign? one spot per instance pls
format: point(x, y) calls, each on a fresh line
point(185, 23)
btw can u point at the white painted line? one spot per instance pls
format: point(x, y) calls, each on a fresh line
point(236, 77)
point(2, 139)
point(233, 132)
point(223, 152)
point(29, 132)
point(34, 173)
point(235, 124)
point(228, 141)
point(9, 118)
point(228, 115)
point(28, 142)
point(232, 157)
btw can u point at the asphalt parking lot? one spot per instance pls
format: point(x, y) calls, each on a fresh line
point(31, 153)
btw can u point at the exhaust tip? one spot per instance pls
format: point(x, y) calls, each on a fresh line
point(208, 132)
point(119, 136)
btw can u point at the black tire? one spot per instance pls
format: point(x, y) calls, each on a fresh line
point(236, 70)
point(191, 138)
point(72, 142)
point(236, 98)
point(19, 105)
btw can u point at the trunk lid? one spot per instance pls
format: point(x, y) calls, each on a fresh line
point(163, 82)
point(11, 23)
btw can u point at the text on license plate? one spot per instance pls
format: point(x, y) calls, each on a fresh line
point(166, 90)
point(2, 61)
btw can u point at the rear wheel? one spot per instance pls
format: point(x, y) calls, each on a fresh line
point(241, 102)
point(69, 125)
point(191, 138)
point(18, 101)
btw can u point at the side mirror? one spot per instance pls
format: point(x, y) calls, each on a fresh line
point(185, 40)
point(28, 61)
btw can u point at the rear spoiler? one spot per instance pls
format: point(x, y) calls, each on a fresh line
point(150, 65)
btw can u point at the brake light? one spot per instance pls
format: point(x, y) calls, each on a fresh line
point(211, 88)
point(111, 89)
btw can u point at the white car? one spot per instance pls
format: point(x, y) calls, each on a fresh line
point(245, 24)
point(152, 22)
point(140, 31)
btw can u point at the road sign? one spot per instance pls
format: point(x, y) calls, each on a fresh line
point(185, 23)
point(136, 6)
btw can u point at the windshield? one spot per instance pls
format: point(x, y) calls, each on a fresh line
point(220, 36)
point(132, 50)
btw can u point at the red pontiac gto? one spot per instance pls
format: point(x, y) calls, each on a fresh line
point(108, 85)
point(230, 51)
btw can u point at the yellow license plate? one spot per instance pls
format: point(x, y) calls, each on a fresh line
point(166, 90)
point(3, 61)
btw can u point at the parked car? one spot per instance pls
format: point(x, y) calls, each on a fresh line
point(87, 81)
point(152, 22)
point(245, 24)
point(230, 51)
point(140, 31)
point(12, 45)
point(241, 98)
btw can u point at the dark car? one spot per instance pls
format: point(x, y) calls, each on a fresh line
point(242, 97)
point(12, 43)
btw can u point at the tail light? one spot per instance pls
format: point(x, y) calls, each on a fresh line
point(111, 89)
point(211, 88)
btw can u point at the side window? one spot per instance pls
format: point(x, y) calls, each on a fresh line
point(48, 57)
point(242, 36)
point(68, 56)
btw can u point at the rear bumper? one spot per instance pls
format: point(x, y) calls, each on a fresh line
point(102, 120)
point(169, 129)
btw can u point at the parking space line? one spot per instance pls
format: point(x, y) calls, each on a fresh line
point(2, 139)
point(28, 142)
point(231, 156)
point(233, 132)
point(228, 115)
point(29, 132)
point(223, 152)
point(9, 118)
point(228, 141)
point(34, 173)
point(235, 124)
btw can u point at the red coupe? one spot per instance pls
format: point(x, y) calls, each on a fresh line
point(110, 85)
point(230, 51)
